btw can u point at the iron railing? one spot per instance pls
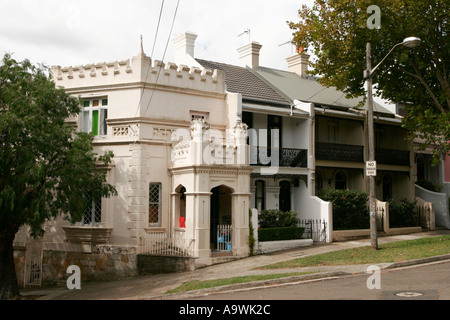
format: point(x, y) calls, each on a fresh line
point(393, 157)
point(162, 244)
point(339, 152)
point(286, 157)
point(315, 229)
point(224, 238)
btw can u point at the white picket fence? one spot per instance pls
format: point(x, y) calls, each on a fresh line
point(162, 244)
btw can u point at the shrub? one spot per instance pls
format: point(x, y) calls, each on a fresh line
point(349, 208)
point(428, 185)
point(277, 219)
point(251, 237)
point(277, 234)
point(402, 214)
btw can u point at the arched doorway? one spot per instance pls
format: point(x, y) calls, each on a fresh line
point(221, 211)
point(340, 181)
point(180, 206)
point(387, 187)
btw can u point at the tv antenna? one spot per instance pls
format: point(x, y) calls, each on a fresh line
point(248, 32)
point(288, 42)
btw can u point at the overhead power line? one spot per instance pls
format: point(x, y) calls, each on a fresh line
point(151, 55)
point(164, 55)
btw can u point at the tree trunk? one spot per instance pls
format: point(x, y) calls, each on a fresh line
point(9, 289)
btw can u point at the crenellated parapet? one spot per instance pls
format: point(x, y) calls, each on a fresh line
point(139, 70)
point(92, 70)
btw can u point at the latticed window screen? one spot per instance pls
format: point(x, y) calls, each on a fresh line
point(93, 211)
point(154, 205)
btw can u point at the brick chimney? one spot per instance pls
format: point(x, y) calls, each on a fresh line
point(298, 63)
point(249, 54)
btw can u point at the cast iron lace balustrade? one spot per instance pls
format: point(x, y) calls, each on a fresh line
point(339, 152)
point(287, 157)
point(393, 157)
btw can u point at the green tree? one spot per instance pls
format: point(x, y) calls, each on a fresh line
point(45, 166)
point(337, 32)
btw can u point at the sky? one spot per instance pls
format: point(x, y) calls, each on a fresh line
point(78, 32)
point(75, 32)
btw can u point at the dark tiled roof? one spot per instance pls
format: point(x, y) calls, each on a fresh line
point(241, 80)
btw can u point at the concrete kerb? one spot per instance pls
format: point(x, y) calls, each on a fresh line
point(292, 280)
point(418, 261)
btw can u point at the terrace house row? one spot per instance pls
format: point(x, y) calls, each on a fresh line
point(197, 144)
point(323, 131)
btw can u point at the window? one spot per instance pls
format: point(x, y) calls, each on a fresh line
point(199, 115)
point(333, 131)
point(285, 196)
point(94, 115)
point(274, 123)
point(93, 211)
point(247, 118)
point(379, 138)
point(154, 205)
point(259, 195)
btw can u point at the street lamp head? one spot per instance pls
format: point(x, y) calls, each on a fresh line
point(411, 42)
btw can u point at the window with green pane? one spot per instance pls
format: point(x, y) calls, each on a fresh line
point(94, 115)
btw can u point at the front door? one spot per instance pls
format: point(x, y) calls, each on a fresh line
point(285, 196)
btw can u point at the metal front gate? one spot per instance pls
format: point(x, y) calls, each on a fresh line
point(33, 263)
point(224, 238)
point(315, 229)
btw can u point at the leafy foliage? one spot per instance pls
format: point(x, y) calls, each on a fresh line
point(349, 208)
point(277, 219)
point(278, 234)
point(337, 33)
point(429, 185)
point(402, 214)
point(45, 166)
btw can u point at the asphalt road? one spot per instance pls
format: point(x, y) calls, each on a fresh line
point(422, 282)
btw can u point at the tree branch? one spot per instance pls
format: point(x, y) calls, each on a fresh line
point(419, 77)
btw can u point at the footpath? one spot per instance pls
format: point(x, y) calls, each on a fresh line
point(154, 287)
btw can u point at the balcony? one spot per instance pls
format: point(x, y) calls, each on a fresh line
point(339, 152)
point(287, 157)
point(392, 157)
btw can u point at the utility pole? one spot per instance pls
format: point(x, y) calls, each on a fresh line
point(372, 204)
point(410, 42)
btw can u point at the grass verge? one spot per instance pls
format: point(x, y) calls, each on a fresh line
point(390, 252)
point(197, 285)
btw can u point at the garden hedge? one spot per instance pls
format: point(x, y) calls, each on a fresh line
point(278, 234)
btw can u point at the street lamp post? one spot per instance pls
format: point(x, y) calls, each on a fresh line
point(410, 42)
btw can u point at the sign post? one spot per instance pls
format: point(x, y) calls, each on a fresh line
point(371, 168)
